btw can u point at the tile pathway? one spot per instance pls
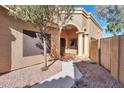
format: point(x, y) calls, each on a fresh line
point(64, 79)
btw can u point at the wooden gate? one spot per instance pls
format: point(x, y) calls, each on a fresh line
point(121, 59)
point(94, 51)
point(105, 47)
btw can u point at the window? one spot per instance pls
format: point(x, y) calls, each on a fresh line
point(33, 43)
point(73, 43)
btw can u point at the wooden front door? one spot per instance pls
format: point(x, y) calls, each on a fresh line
point(62, 46)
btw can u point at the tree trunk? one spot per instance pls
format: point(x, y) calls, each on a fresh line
point(45, 52)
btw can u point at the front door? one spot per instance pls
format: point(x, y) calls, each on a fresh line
point(62, 46)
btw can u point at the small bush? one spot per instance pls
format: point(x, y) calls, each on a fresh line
point(91, 62)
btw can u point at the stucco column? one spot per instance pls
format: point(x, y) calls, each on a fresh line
point(86, 45)
point(80, 44)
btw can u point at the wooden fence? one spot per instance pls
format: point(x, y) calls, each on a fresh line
point(112, 56)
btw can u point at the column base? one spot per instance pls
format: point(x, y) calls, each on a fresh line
point(86, 56)
point(83, 57)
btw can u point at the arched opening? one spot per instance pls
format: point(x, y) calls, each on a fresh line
point(69, 40)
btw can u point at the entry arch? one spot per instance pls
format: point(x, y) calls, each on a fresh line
point(69, 39)
point(70, 23)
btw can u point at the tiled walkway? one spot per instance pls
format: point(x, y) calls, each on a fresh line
point(29, 76)
point(64, 79)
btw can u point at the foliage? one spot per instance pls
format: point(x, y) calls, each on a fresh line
point(113, 14)
point(114, 28)
point(41, 15)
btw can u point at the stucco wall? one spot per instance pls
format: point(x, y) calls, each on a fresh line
point(84, 22)
point(77, 21)
point(11, 43)
point(94, 30)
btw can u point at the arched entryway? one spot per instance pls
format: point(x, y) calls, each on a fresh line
point(69, 40)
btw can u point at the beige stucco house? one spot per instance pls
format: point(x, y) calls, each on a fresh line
point(79, 32)
point(20, 44)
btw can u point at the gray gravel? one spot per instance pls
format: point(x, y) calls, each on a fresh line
point(95, 76)
point(28, 76)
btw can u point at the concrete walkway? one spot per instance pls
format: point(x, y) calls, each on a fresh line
point(64, 79)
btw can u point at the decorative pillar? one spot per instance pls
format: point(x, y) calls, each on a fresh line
point(86, 45)
point(80, 43)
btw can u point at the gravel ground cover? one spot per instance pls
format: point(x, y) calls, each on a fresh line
point(29, 76)
point(95, 76)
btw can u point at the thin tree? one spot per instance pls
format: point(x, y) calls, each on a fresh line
point(42, 15)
